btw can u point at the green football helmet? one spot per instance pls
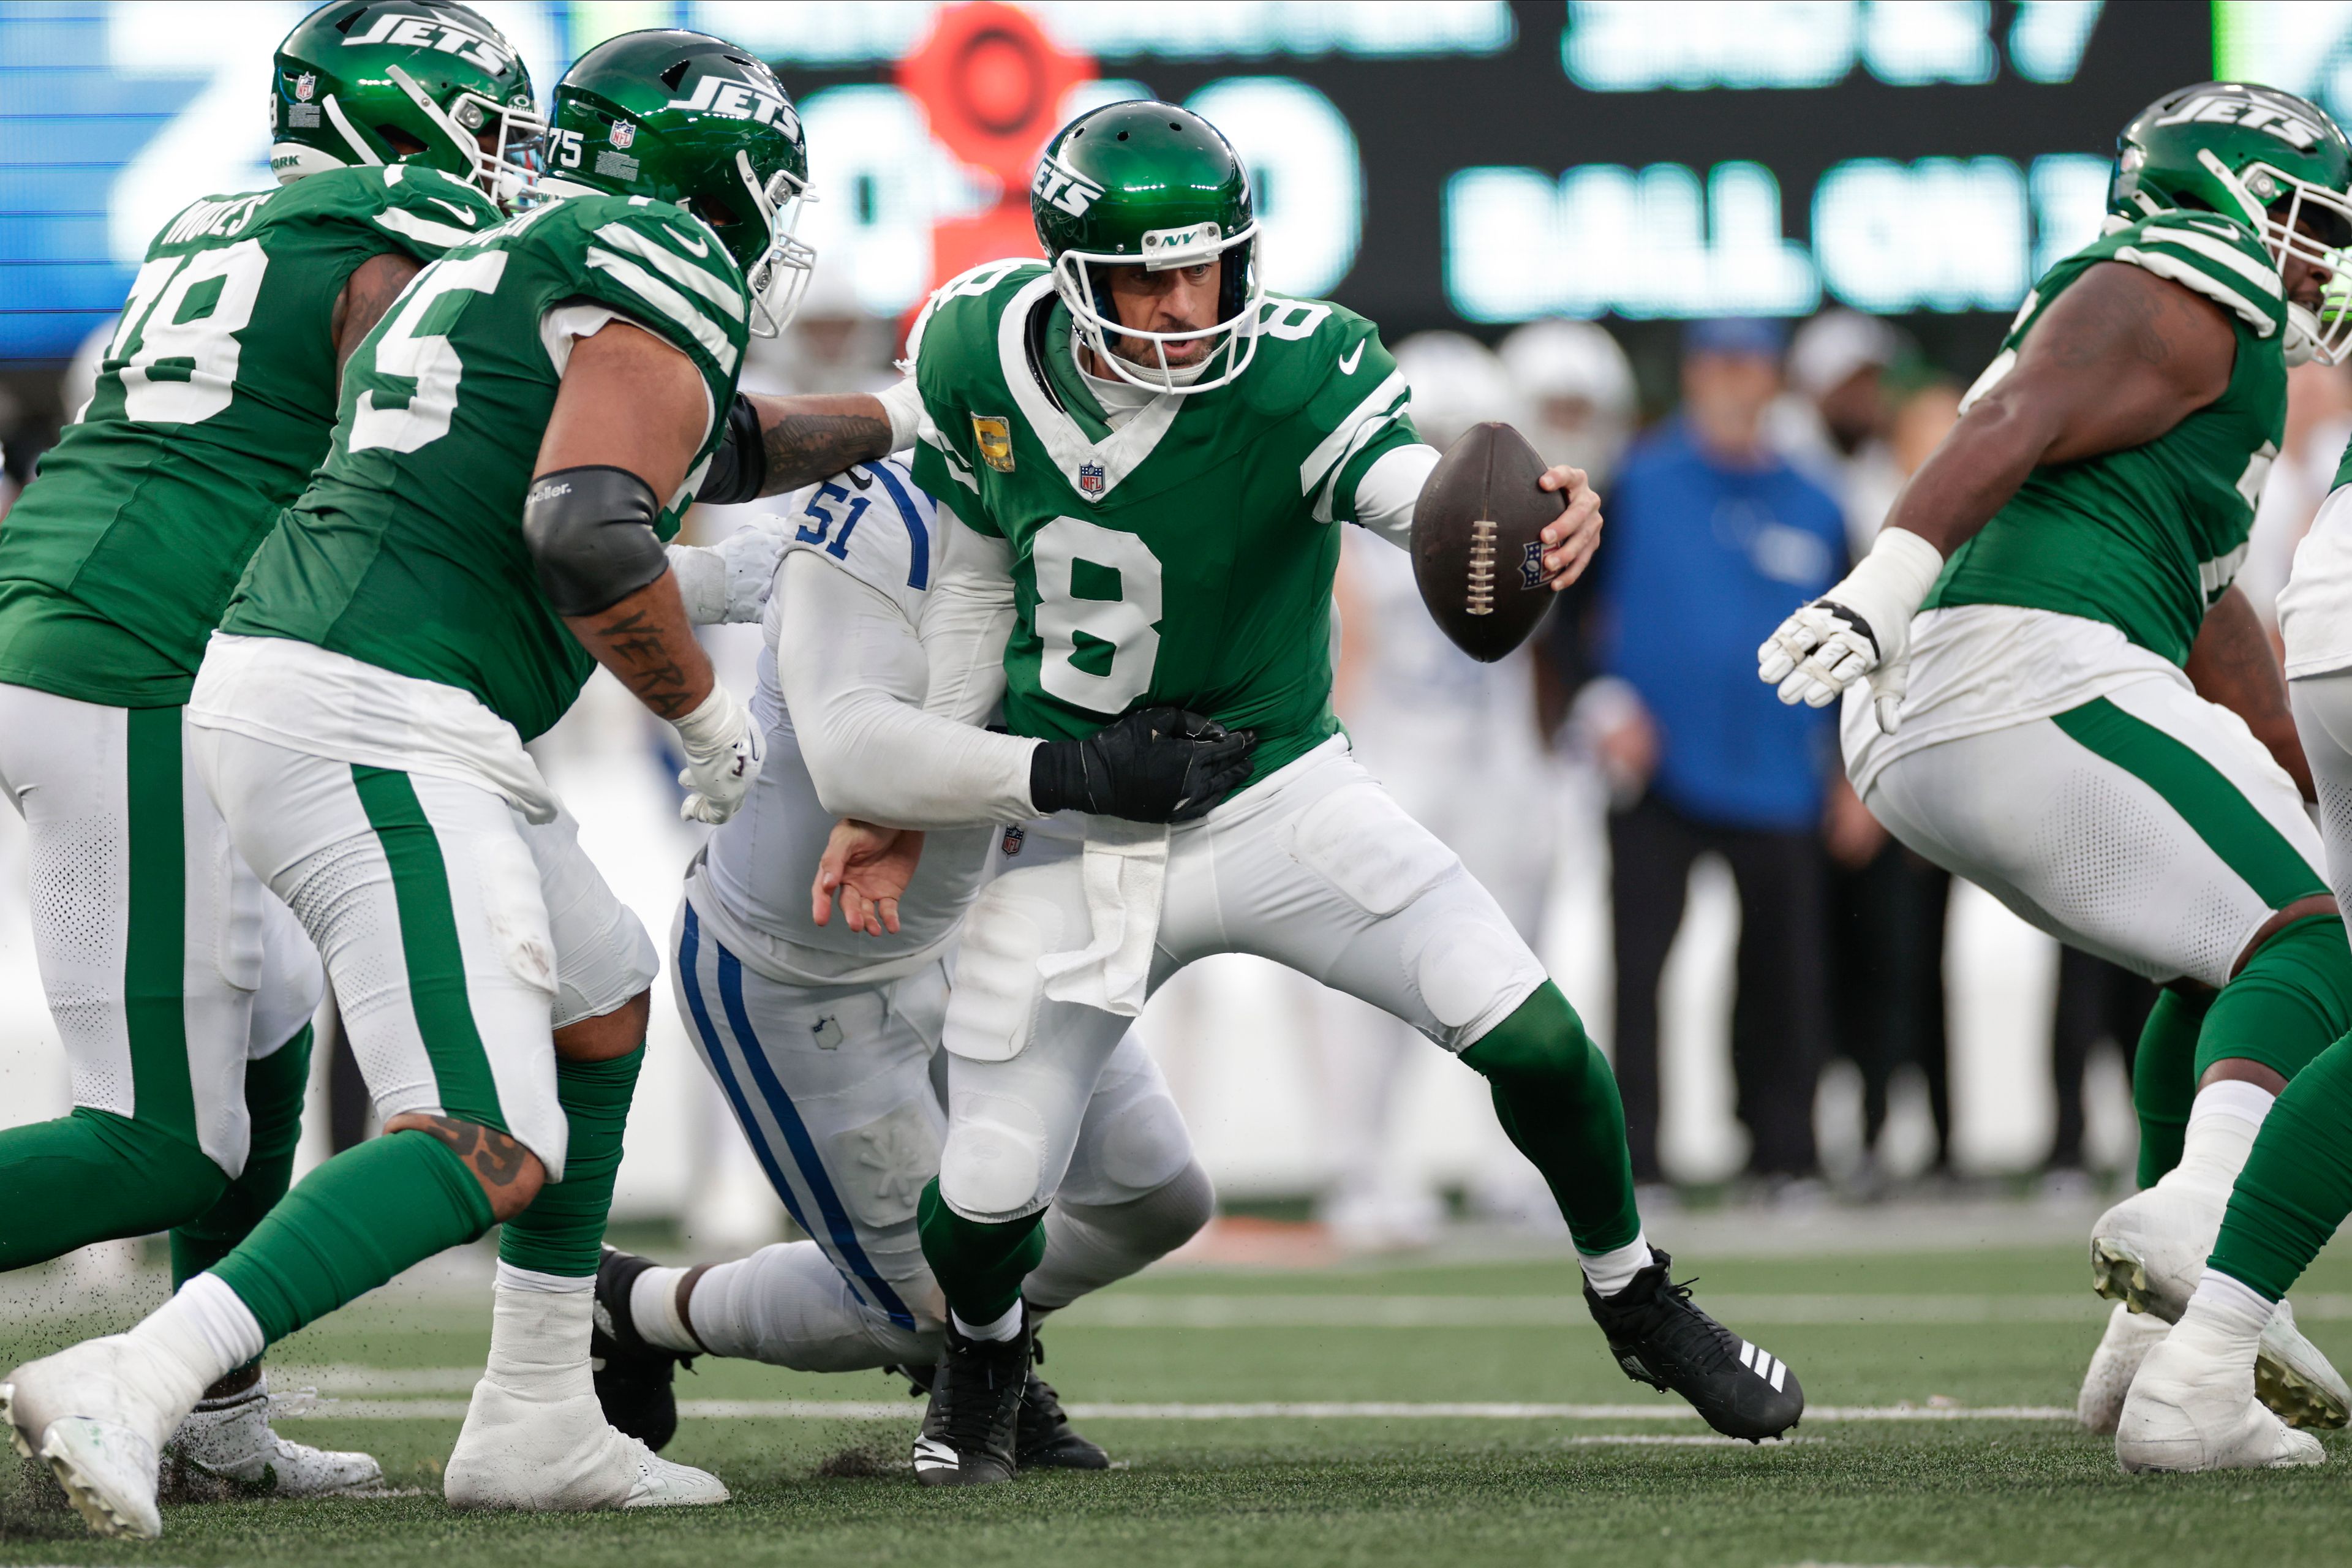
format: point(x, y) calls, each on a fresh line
point(1149, 184)
point(405, 81)
point(693, 120)
point(2273, 162)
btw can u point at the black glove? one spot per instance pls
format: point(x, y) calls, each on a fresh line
point(1163, 764)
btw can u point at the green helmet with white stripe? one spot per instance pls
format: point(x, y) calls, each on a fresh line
point(2273, 162)
point(694, 120)
point(405, 81)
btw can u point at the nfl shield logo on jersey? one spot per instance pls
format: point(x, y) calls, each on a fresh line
point(1015, 836)
point(625, 133)
point(995, 439)
point(1090, 478)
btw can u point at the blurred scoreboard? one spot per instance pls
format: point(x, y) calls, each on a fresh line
point(1428, 161)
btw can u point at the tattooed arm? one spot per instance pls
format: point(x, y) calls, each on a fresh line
point(805, 439)
point(2118, 359)
point(2233, 664)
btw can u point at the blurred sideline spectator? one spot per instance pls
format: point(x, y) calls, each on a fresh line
point(1578, 389)
point(1456, 742)
point(1713, 533)
point(2098, 1001)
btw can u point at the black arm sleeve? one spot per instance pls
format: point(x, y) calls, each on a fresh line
point(591, 536)
point(739, 470)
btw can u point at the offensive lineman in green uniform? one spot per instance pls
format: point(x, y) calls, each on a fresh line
point(1151, 456)
point(2091, 725)
point(210, 410)
point(514, 439)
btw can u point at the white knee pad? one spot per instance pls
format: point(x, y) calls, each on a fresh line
point(1134, 1140)
point(293, 981)
point(1015, 921)
point(994, 1166)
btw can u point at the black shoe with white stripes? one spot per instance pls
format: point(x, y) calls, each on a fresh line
point(1662, 1338)
point(632, 1377)
point(970, 1425)
point(1044, 1439)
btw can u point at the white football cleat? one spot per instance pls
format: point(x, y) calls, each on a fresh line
point(2148, 1252)
point(2130, 1336)
point(96, 1414)
point(2192, 1408)
point(521, 1449)
point(230, 1440)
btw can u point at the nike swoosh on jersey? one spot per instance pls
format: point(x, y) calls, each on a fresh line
point(464, 214)
point(1352, 358)
point(697, 249)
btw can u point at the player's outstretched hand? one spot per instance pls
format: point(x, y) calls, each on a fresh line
point(726, 584)
point(1570, 539)
point(1160, 764)
point(869, 866)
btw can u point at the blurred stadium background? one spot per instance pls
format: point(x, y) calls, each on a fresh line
point(1461, 167)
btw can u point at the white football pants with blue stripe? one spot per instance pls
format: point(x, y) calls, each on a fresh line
point(839, 1091)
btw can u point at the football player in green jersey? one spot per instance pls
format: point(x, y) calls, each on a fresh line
point(212, 407)
point(514, 440)
point(2056, 693)
point(1150, 457)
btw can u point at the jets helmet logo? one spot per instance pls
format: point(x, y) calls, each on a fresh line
point(440, 34)
point(2236, 108)
point(763, 101)
point(1065, 187)
point(995, 439)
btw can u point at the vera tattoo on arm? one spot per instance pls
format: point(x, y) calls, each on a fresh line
point(651, 667)
point(494, 1157)
point(810, 438)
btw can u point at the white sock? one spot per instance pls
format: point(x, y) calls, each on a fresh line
point(2223, 1323)
point(1609, 1273)
point(206, 1327)
point(2222, 1121)
point(2220, 1293)
point(653, 1306)
point(1003, 1329)
point(539, 1325)
point(787, 1305)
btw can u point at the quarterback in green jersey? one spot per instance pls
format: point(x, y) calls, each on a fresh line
point(514, 440)
point(1142, 462)
point(213, 404)
point(2054, 690)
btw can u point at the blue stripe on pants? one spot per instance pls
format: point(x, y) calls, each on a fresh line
point(848, 1256)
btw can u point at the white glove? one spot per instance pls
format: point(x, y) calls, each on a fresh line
point(723, 751)
point(1860, 628)
point(726, 584)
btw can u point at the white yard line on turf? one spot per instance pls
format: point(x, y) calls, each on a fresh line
point(333, 1409)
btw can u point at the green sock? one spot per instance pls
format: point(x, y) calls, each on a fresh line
point(562, 1232)
point(96, 1177)
point(2291, 1001)
point(274, 1089)
point(978, 1266)
point(352, 1224)
point(2164, 1077)
point(2296, 1187)
point(1557, 1103)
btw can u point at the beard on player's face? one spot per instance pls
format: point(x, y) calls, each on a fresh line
point(1181, 299)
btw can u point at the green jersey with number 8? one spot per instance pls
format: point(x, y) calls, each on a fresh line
point(406, 552)
point(214, 401)
point(2147, 538)
point(1186, 557)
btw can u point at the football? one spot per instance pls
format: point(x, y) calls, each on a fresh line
point(1477, 550)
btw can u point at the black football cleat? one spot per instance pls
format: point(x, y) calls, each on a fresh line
point(633, 1378)
point(1662, 1338)
point(969, 1426)
point(1044, 1439)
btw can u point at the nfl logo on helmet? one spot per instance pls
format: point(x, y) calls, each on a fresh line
point(305, 86)
point(624, 131)
point(1090, 478)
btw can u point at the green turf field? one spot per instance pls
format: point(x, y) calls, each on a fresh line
point(1220, 1388)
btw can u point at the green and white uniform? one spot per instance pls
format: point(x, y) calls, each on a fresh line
point(1178, 549)
point(2051, 749)
point(165, 961)
point(362, 715)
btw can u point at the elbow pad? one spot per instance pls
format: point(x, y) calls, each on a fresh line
point(739, 470)
point(590, 532)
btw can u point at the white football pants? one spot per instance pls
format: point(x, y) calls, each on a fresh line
point(1315, 867)
point(167, 963)
point(836, 1090)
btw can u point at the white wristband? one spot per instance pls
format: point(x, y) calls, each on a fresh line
point(714, 725)
point(903, 403)
point(1898, 572)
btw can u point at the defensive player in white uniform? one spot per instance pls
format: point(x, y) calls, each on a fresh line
point(2056, 693)
point(825, 1038)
